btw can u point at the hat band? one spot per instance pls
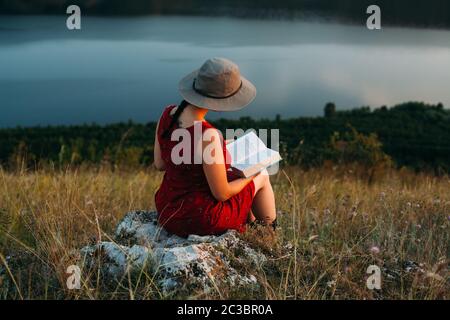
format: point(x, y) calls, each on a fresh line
point(215, 97)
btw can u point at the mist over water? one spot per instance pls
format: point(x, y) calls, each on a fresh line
point(116, 69)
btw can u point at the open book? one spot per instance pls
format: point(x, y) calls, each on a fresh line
point(249, 155)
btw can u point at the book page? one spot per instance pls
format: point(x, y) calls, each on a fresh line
point(245, 148)
point(250, 155)
point(259, 160)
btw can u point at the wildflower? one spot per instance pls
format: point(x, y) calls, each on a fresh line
point(331, 283)
point(374, 250)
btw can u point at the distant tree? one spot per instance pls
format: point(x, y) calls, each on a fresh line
point(330, 110)
point(278, 117)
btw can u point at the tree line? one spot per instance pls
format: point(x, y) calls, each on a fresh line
point(413, 134)
point(430, 13)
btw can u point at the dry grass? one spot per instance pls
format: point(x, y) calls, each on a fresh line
point(329, 223)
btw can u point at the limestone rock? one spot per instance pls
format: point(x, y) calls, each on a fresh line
point(196, 262)
point(116, 260)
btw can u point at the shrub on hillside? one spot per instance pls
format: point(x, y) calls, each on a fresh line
point(366, 151)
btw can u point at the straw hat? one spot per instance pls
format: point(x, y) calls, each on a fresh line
point(217, 85)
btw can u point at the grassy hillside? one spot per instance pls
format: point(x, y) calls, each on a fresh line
point(333, 226)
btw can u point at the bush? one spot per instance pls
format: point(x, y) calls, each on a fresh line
point(352, 147)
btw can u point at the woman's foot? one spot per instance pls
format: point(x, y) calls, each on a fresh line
point(273, 225)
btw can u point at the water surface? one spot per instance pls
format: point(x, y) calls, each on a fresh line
point(116, 69)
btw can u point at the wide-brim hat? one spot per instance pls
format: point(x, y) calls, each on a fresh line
point(217, 85)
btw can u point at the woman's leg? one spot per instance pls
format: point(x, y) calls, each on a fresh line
point(263, 206)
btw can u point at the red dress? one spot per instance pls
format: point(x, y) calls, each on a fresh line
point(184, 200)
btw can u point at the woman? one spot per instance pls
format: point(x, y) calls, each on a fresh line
point(205, 198)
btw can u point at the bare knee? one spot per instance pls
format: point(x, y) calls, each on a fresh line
point(261, 181)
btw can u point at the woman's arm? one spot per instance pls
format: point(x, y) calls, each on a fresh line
point(215, 170)
point(158, 161)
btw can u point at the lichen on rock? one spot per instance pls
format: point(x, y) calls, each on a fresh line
point(196, 262)
point(117, 260)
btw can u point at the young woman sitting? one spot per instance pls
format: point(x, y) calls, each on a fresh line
point(206, 198)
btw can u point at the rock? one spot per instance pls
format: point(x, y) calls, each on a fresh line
point(196, 262)
point(116, 260)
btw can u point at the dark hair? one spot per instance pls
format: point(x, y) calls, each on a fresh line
point(183, 104)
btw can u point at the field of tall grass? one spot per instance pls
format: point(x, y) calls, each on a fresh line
point(333, 226)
